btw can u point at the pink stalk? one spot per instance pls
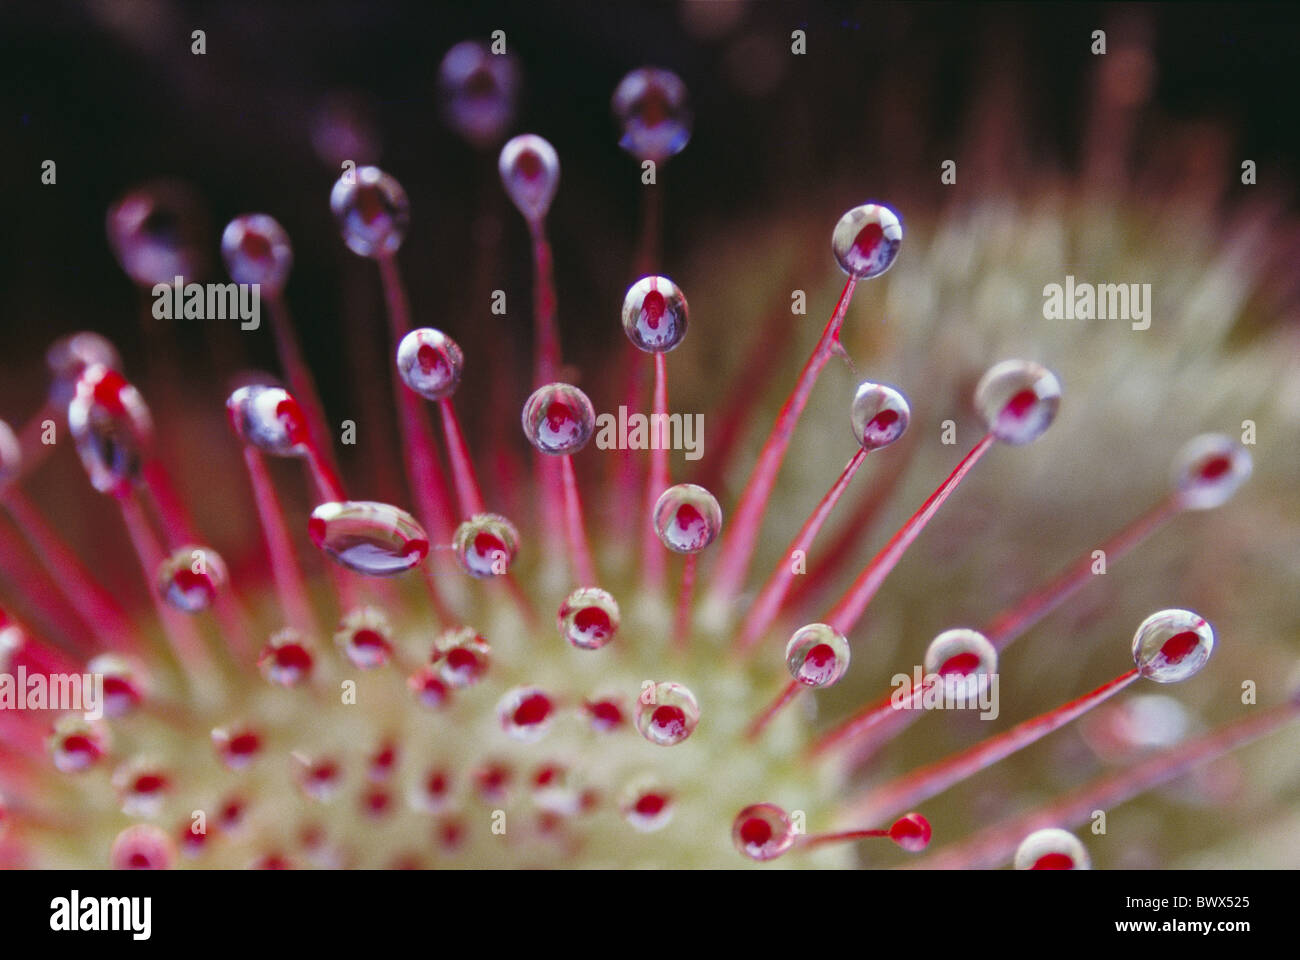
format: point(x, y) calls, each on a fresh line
point(579, 549)
point(289, 584)
point(653, 560)
point(682, 621)
point(842, 836)
point(738, 548)
point(881, 715)
point(765, 607)
point(763, 719)
point(34, 451)
point(547, 365)
point(41, 596)
point(462, 467)
point(844, 615)
point(919, 785)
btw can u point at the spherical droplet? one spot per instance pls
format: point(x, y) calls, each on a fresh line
point(375, 539)
point(655, 314)
point(191, 578)
point(963, 659)
point(286, 659)
point(589, 618)
point(125, 683)
point(1172, 645)
point(530, 172)
point(478, 89)
point(485, 545)
point(866, 240)
point(646, 805)
point(911, 832)
point(1052, 849)
point(526, 713)
point(1208, 471)
point(77, 744)
point(142, 846)
point(11, 454)
point(430, 363)
point(558, 419)
point(365, 638)
point(428, 688)
point(236, 746)
point(687, 518)
point(654, 111)
point(462, 657)
point(110, 427)
point(670, 715)
point(880, 415)
point(270, 419)
point(257, 250)
point(159, 232)
point(762, 831)
point(372, 211)
point(1017, 400)
point(817, 655)
point(604, 713)
point(68, 358)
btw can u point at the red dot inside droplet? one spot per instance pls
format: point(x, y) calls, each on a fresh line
point(291, 420)
point(689, 518)
point(652, 308)
point(431, 360)
point(651, 804)
point(1215, 467)
point(559, 416)
point(669, 721)
point(756, 832)
point(293, 657)
point(883, 422)
point(532, 710)
point(255, 246)
point(1020, 404)
point(868, 240)
point(961, 665)
point(529, 164)
point(594, 622)
point(1180, 645)
point(370, 641)
point(1053, 861)
point(605, 714)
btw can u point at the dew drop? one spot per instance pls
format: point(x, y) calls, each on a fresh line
point(158, 233)
point(964, 660)
point(68, 358)
point(911, 832)
point(1172, 645)
point(142, 846)
point(866, 240)
point(558, 419)
point(257, 250)
point(687, 518)
point(270, 419)
point(526, 713)
point(77, 744)
point(1017, 400)
point(652, 107)
point(530, 172)
point(762, 832)
point(430, 363)
point(478, 89)
point(375, 539)
point(125, 683)
point(1208, 471)
point(372, 211)
point(1052, 849)
point(589, 618)
point(655, 315)
point(880, 415)
point(817, 655)
point(646, 805)
point(365, 638)
point(110, 427)
point(11, 454)
point(191, 578)
point(671, 715)
point(462, 657)
point(286, 659)
point(485, 545)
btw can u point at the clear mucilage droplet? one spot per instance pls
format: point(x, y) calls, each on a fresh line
point(257, 250)
point(687, 518)
point(68, 358)
point(762, 832)
point(270, 419)
point(159, 232)
point(477, 89)
point(963, 659)
point(375, 539)
point(880, 415)
point(286, 660)
point(142, 846)
point(866, 240)
point(530, 172)
point(653, 109)
point(485, 545)
point(589, 618)
point(526, 713)
point(365, 637)
point(110, 427)
point(655, 314)
point(125, 682)
point(1017, 400)
point(667, 714)
point(558, 419)
point(372, 211)
point(77, 744)
point(430, 363)
point(461, 656)
point(1172, 645)
point(191, 577)
point(646, 805)
point(817, 655)
point(1052, 849)
point(1209, 470)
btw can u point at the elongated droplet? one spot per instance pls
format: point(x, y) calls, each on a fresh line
point(1017, 400)
point(817, 656)
point(526, 713)
point(646, 805)
point(558, 419)
point(485, 545)
point(530, 172)
point(430, 363)
point(257, 250)
point(762, 832)
point(462, 657)
point(478, 89)
point(375, 539)
point(1052, 849)
point(866, 240)
point(1172, 645)
point(589, 618)
point(269, 419)
point(687, 518)
point(110, 427)
point(670, 716)
point(963, 659)
point(655, 315)
point(286, 660)
point(372, 211)
point(654, 111)
point(880, 415)
point(1209, 470)
point(191, 578)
